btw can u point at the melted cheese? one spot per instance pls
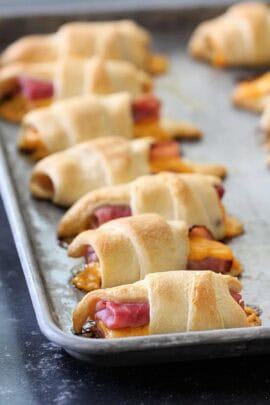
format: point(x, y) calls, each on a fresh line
point(125, 332)
point(259, 87)
point(253, 94)
point(16, 107)
point(157, 64)
point(170, 164)
point(201, 248)
point(233, 227)
point(253, 318)
point(149, 128)
point(31, 143)
point(88, 279)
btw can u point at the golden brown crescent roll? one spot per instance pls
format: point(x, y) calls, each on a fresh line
point(117, 40)
point(25, 86)
point(130, 248)
point(253, 95)
point(240, 37)
point(193, 198)
point(68, 122)
point(126, 249)
point(66, 176)
point(171, 302)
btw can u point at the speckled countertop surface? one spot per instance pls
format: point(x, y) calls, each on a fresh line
point(34, 371)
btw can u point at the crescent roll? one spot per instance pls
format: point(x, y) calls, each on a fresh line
point(253, 95)
point(68, 122)
point(126, 249)
point(193, 198)
point(66, 176)
point(24, 87)
point(240, 37)
point(117, 40)
point(171, 302)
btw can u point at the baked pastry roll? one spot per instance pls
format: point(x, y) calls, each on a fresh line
point(66, 176)
point(80, 119)
point(24, 87)
point(117, 40)
point(125, 250)
point(253, 95)
point(240, 37)
point(172, 302)
point(193, 198)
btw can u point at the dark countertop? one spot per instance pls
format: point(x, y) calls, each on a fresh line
point(34, 371)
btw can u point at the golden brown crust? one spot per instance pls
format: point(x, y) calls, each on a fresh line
point(89, 166)
point(179, 301)
point(189, 197)
point(253, 95)
point(253, 317)
point(129, 248)
point(79, 119)
point(240, 37)
point(114, 160)
point(180, 129)
point(117, 40)
point(70, 78)
point(212, 169)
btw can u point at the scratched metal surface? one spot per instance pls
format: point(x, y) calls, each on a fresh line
point(191, 91)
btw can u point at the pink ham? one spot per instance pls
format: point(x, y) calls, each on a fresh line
point(108, 212)
point(211, 263)
point(122, 315)
point(34, 89)
point(145, 108)
point(220, 190)
point(200, 231)
point(165, 149)
point(90, 255)
point(238, 298)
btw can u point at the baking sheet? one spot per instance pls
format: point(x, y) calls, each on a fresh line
point(190, 91)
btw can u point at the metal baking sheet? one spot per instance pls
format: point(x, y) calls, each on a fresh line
point(191, 91)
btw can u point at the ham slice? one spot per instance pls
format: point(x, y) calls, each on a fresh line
point(200, 231)
point(145, 108)
point(165, 149)
point(238, 298)
point(34, 89)
point(90, 255)
point(220, 190)
point(108, 212)
point(122, 315)
point(211, 263)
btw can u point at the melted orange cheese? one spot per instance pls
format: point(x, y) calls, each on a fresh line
point(233, 227)
point(125, 332)
point(157, 64)
point(149, 128)
point(88, 279)
point(201, 248)
point(253, 318)
point(170, 164)
point(256, 88)
point(16, 107)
